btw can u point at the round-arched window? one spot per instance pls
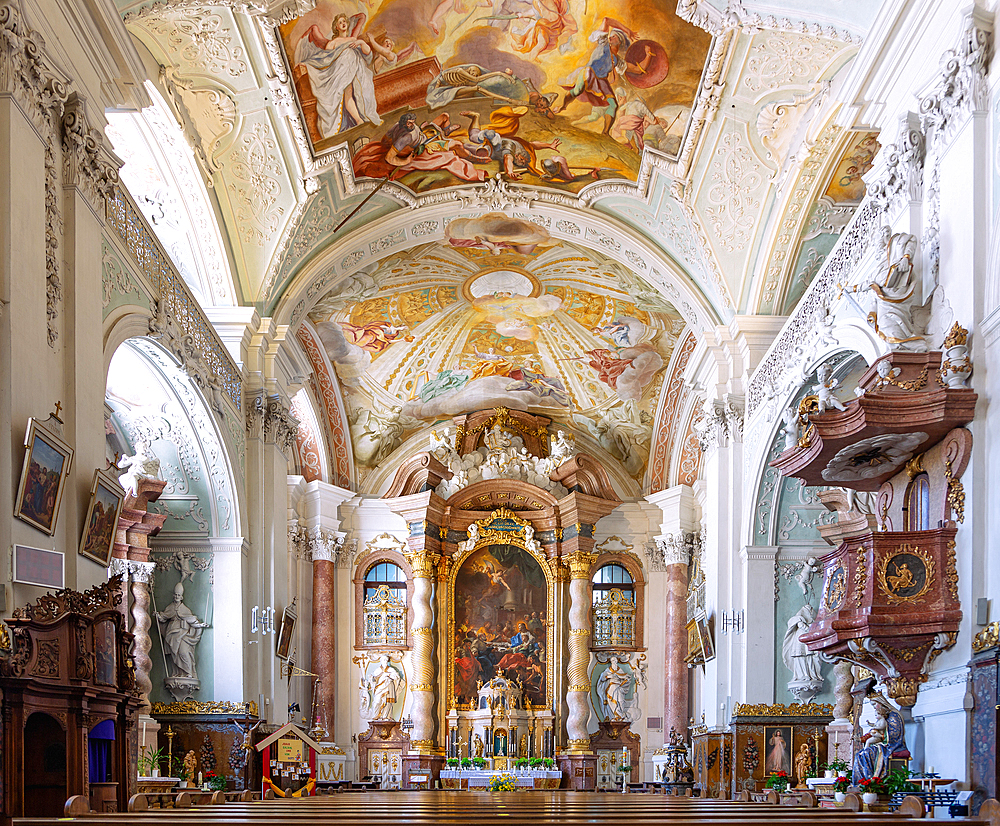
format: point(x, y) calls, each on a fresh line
point(385, 605)
point(612, 576)
point(388, 574)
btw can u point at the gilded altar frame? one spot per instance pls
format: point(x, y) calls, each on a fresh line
point(489, 535)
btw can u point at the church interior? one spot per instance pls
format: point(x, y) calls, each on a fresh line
point(488, 394)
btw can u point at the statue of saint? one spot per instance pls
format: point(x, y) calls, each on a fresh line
point(807, 679)
point(802, 760)
point(180, 633)
point(612, 687)
point(144, 465)
point(477, 746)
point(884, 739)
point(384, 685)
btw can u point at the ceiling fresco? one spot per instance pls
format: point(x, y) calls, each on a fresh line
point(433, 93)
point(498, 315)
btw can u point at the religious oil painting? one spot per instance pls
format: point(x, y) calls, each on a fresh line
point(433, 93)
point(285, 629)
point(104, 652)
point(500, 622)
point(101, 522)
point(47, 460)
point(778, 749)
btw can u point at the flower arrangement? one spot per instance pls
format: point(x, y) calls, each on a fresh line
point(536, 762)
point(839, 767)
point(454, 762)
point(843, 781)
point(479, 762)
point(505, 782)
point(777, 781)
point(872, 785)
point(467, 763)
point(216, 782)
point(548, 763)
point(150, 759)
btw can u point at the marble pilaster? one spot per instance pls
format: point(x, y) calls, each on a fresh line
point(323, 551)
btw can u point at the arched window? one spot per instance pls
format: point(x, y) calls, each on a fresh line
point(917, 504)
point(385, 605)
point(614, 607)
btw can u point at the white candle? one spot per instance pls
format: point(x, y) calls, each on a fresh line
point(199, 778)
point(143, 733)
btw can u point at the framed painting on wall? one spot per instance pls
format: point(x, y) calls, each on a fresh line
point(106, 500)
point(285, 629)
point(47, 460)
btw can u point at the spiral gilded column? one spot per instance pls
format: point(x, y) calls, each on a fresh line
point(424, 564)
point(141, 574)
point(578, 690)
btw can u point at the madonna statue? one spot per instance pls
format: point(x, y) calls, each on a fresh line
point(885, 739)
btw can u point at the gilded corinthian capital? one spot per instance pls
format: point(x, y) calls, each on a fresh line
point(423, 563)
point(580, 563)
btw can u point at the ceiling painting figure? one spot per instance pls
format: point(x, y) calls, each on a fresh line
point(438, 93)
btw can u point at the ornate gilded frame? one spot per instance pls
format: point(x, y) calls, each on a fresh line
point(489, 536)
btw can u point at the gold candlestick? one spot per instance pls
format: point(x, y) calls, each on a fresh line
point(170, 750)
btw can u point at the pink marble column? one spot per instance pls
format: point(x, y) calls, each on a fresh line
point(323, 632)
point(675, 701)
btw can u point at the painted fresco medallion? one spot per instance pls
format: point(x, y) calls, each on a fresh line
point(500, 615)
point(434, 93)
point(906, 575)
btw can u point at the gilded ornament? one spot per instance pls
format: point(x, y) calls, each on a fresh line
point(807, 407)
point(580, 563)
point(211, 707)
point(5, 645)
point(916, 384)
point(583, 687)
point(422, 562)
point(332, 750)
point(836, 588)
point(956, 493)
point(989, 637)
point(904, 689)
point(782, 710)
point(905, 575)
point(421, 686)
point(957, 335)
point(860, 576)
point(915, 466)
point(951, 572)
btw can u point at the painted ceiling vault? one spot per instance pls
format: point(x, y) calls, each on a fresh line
point(480, 203)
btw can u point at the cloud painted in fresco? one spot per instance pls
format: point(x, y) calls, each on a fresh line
point(350, 360)
point(478, 395)
point(645, 363)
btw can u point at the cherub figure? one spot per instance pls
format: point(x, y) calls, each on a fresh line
point(824, 390)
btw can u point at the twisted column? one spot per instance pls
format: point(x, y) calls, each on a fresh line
point(424, 564)
point(578, 690)
point(141, 574)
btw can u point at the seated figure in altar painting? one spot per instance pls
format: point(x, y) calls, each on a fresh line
point(885, 739)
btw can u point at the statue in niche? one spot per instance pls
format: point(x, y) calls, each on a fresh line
point(807, 679)
point(478, 746)
point(144, 465)
point(885, 738)
point(612, 687)
point(897, 318)
point(180, 633)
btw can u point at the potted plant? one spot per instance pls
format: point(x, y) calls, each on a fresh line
point(899, 781)
point(549, 763)
point(216, 782)
point(479, 762)
point(840, 785)
point(467, 763)
point(182, 774)
point(777, 781)
point(871, 788)
point(453, 762)
point(149, 762)
point(835, 768)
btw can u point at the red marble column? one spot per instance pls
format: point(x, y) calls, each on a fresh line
point(323, 637)
point(675, 705)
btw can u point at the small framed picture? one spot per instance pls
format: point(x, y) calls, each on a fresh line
point(285, 629)
point(707, 648)
point(106, 499)
point(47, 460)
